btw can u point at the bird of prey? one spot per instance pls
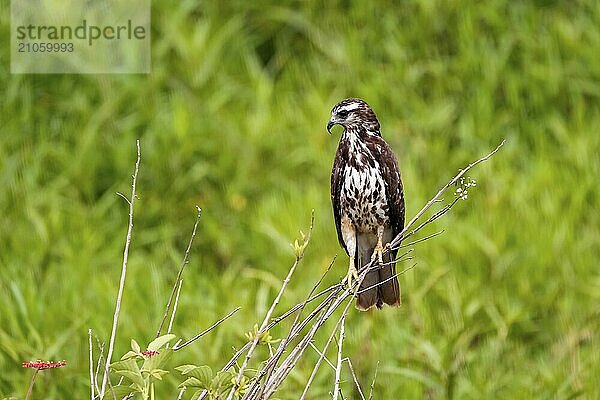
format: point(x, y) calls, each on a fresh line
point(368, 202)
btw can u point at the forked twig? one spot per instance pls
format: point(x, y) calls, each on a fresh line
point(316, 349)
point(265, 322)
point(324, 351)
point(301, 305)
point(100, 358)
point(204, 332)
point(402, 235)
point(360, 392)
point(170, 328)
point(185, 261)
point(270, 365)
point(409, 230)
point(333, 367)
point(421, 239)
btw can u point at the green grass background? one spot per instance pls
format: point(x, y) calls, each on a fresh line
point(506, 304)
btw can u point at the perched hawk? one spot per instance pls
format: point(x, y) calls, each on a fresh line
point(368, 203)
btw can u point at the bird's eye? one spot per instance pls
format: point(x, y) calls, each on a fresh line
point(342, 113)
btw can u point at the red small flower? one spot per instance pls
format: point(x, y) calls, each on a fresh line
point(40, 365)
point(150, 353)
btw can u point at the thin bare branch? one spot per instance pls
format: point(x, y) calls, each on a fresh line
point(421, 239)
point(92, 386)
point(338, 368)
point(123, 274)
point(401, 236)
point(100, 358)
point(124, 198)
point(318, 363)
point(261, 330)
point(237, 355)
point(301, 305)
point(432, 218)
point(289, 363)
point(204, 332)
point(373, 382)
point(170, 328)
point(185, 261)
point(333, 293)
point(325, 309)
point(31, 383)
point(388, 279)
point(316, 349)
point(360, 392)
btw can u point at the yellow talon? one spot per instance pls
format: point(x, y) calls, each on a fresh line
point(352, 274)
point(378, 253)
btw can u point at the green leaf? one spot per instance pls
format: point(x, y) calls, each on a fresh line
point(135, 346)
point(136, 378)
point(157, 360)
point(192, 382)
point(121, 391)
point(196, 394)
point(223, 380)
point(204, 374)
point(158, 373)
point(129, 354)
point(186, 368)
point(126, 365)
point(160, 342)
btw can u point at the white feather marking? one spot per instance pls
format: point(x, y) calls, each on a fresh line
point(350, 107)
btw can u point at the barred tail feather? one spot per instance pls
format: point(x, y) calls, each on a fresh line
point(380, 286)
point(389, 289)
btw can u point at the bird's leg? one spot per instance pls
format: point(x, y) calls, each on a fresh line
point(378, 252)
point(349, 237)
point(352, 273)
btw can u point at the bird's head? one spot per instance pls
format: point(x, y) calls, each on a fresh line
point(354, 114)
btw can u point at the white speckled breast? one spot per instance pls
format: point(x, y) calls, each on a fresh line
point(363, 195)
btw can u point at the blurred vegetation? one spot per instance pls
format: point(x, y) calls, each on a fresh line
point(232, 118)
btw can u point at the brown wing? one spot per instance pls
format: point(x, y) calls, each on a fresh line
point(395, 194)
point(389, 289)
point(339, 163)
point(393, 182)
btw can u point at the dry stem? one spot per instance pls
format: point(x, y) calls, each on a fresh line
point(177, 283)
point(170, 328)
point(91, 364)
point(123, 274)
point(338, 368)
point(265, 322)
point(402, 235)
point(360, 392)
point(30, 390)
point(204, 332)
point(373, 382)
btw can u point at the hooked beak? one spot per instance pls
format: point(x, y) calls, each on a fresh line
point(330, 125)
